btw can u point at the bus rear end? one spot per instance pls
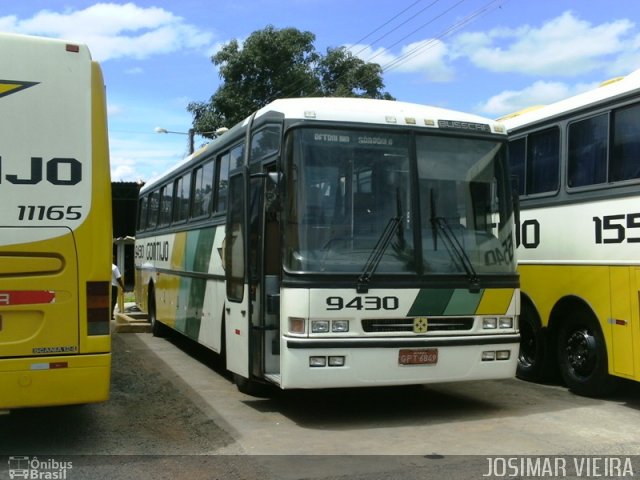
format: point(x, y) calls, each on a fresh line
point(55, 225)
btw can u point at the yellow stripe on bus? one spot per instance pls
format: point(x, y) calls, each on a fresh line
point(495, 301)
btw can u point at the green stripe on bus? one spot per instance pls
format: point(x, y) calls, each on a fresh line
point(198, 247)
point(463, 302)
point(444, 301)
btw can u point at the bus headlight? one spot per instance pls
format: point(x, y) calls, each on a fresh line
point(336, 361)
point(317, 361)
point(490, 323)
point(340, 326)
point(319, 326)
point(505, 322)
point(503, 355)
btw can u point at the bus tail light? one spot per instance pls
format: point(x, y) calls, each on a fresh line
point(98, 306)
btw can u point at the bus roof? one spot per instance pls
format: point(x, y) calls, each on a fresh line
point(354, 110)
point(609, 89)
point(367, 110)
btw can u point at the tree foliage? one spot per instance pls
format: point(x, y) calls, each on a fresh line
point(281, 63)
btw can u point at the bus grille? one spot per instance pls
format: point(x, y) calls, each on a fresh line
point(381, 325)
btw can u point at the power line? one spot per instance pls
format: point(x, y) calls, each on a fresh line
point(487, 8)
point(419, 28)
point(293, 88)
point(396, 27)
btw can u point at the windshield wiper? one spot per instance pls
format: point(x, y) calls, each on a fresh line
point(362, 286)
point(455, 249)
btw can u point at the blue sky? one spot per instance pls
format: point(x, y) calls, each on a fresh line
point(488, 57)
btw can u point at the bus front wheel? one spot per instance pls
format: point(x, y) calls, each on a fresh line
point(582, 356)
point(251, 387)
point(534, 358)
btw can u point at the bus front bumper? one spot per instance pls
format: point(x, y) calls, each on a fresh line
point(383, 361)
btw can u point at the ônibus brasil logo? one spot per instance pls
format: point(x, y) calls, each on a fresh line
point(33, 468)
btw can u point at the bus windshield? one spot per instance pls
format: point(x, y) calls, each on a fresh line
point(449, 196)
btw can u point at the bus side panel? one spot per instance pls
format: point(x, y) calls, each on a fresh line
point(635, 315)
point(214, 297)
point(605, 290)
point(95, 236)
point(621, 321)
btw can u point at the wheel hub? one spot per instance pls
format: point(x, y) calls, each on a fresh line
point(581, 351)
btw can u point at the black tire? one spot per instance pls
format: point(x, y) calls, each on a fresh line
point(582, 356)
point(534, 359)
point(158, 329)
point(252, 387)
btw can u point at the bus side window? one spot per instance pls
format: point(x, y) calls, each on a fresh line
point(166, 200)
point(517, 149)
point(202, 189)
point(181, 198)
point(237, 156)
point(587, 157)
point(625, 150)
point(152, 216)
point(265, 142)
point(234, 251)
point(142, 213)
point(222, 189)
point(543, 161)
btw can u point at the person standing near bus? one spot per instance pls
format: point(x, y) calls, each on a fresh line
point(116, 281)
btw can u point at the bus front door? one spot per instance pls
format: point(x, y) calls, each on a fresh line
point(264, 279)
point(236, 316)
point(252, 255)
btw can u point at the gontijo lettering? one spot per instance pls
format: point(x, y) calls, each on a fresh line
point(57, 171)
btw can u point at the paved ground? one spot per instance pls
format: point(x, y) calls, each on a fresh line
point(174, 414)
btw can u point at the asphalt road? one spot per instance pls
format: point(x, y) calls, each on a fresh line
point(174, 414)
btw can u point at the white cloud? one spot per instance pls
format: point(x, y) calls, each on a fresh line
point(114, 109)
point(540, 93)
point(115, 30)
point(426, 57)
point(134, 160)
point(563, 46)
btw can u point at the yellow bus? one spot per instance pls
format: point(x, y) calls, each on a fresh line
point(55, 225)
point(578, 167)
point(334, 242)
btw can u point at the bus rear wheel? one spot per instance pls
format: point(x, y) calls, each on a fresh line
point(157, 329)
point(582, 356)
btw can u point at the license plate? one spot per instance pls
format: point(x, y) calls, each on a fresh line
point(427, 356)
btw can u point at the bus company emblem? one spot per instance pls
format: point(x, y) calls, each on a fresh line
point(7, 87)
point(420, 325)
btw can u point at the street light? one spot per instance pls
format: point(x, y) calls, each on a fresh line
point(192, 134)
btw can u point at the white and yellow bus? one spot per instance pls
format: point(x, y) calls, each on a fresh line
point(55, 225)
point(578, 168)
point(338, 243)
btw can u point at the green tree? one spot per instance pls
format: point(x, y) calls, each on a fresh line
point(342, 74)
point(283, 63)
